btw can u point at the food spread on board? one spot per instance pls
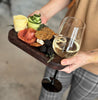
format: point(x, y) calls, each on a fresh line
point(33, 32)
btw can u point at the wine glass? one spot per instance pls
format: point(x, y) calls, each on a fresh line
point(66, 44)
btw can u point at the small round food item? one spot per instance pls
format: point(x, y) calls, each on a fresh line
point(44, 34)
point(20, 22)
point(50, 51)
point(27, 35)
point(48, 43)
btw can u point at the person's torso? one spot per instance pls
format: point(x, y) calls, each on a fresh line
point(87, 11)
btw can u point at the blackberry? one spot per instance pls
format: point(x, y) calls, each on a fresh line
point(43, 49)
point(50, 51)
point(48, 43)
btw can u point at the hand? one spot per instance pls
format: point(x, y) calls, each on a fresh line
point(43, 17)
point(82, 58)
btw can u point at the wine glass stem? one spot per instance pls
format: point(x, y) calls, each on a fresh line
point(54, 77)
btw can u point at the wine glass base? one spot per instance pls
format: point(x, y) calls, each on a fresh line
point(51, 87)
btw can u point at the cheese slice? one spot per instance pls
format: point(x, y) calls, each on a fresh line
point(20, 22)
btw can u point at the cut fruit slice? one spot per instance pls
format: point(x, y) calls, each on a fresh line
point(27, 35)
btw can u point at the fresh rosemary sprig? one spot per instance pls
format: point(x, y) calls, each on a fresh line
point(51, 58)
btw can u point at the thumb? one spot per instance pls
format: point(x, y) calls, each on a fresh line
point(68, 61)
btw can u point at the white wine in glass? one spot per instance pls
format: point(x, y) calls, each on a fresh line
point(62, 46)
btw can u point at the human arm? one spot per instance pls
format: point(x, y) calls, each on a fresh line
point(79, 60)
point(51, 8)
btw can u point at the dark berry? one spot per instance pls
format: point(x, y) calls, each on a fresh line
point(48, 43)
point(50, 51)
point(43, 49)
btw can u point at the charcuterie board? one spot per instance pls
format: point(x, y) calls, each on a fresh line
point(34, 51)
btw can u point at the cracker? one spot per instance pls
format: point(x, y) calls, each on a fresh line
point(44, 34)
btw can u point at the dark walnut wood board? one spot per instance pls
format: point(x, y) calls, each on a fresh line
point(34, 51)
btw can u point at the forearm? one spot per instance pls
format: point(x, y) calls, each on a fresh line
point(93, 56)
point(53, 7)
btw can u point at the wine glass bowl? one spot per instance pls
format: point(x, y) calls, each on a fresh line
point(67, 43)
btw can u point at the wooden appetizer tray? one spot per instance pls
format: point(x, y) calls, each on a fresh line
point(34, 51)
